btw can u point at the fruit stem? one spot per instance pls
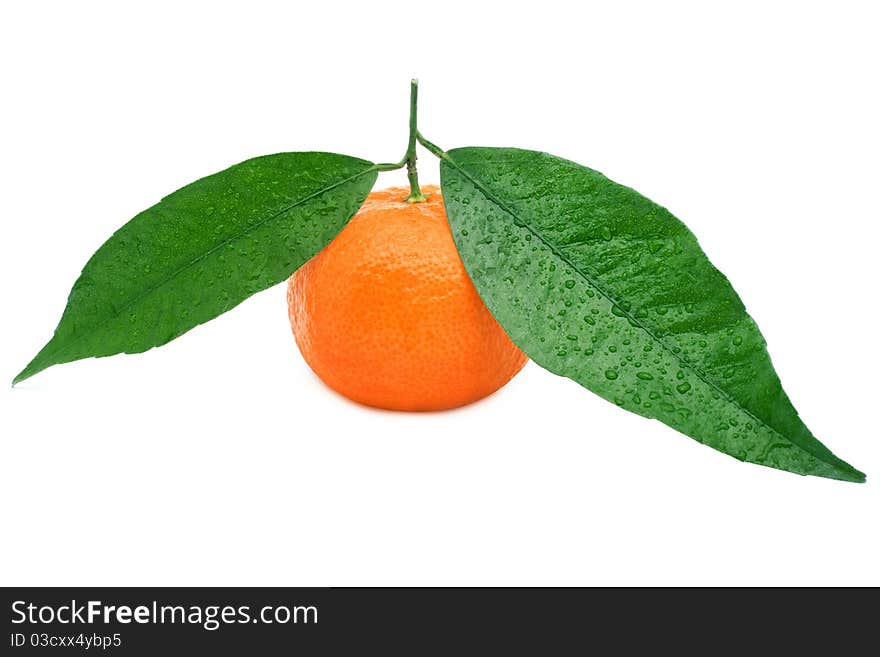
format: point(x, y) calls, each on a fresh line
point(415, 192)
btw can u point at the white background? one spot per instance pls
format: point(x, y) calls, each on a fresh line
point(220, 459)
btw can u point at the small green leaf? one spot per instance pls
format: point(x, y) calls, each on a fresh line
point(597, 283)
point(203, 250)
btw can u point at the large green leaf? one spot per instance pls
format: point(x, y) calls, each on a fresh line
point(203, 250)
point(597, 283)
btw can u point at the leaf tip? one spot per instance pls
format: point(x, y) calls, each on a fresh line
point(21, 376)
point(34, 367)
point(858, 477)
point(843, 471)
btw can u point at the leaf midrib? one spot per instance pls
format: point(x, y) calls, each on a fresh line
point(633, 320)
point(192, 263)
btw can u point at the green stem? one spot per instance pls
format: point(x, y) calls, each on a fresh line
point(389, 166)
point(415, 192)
point(433, 148)
point(409, 160)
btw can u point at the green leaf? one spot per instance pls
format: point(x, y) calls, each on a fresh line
point(599, 284)
point(203, 250)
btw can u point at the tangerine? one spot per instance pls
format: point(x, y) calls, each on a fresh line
point(387, 316)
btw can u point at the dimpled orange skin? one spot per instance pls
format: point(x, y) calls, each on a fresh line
point(387, 316)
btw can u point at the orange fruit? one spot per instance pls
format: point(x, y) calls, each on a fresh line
point(387, 316)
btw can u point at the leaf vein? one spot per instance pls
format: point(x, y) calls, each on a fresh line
point(192, 263)
point(629, 316)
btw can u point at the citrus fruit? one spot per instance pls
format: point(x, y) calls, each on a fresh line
point(387, 316)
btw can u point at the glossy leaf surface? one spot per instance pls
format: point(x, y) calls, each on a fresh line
point(203, 250)
point(597, 283)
